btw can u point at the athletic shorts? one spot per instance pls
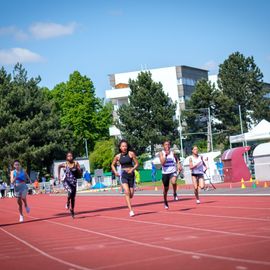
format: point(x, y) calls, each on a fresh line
point(198, 176)
point(128, 178)
point(167, 177)
point(21, 190)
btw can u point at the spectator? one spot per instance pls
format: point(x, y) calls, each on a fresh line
point(87, 176)
point(3, 187)
point(137, 179)
point(36, 186)
point(154, 173)
point(11, 187)
point(114, 182)
point(43, 179)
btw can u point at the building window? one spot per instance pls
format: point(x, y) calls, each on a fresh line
point(186, 81)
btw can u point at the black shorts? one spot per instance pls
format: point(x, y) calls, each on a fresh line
point(198, 176)
point(128, 178)
point(167, 177)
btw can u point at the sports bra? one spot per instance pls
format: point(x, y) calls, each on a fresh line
point(20, 177)
point(125, 161)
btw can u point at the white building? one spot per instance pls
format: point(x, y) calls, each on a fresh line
point(178, 82)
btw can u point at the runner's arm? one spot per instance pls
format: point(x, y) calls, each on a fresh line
point(162, 158)
point(136, 165)
point(116, 158)
point(12, 177)
point(59, 169)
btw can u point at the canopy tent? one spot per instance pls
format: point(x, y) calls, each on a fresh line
point(259, 132)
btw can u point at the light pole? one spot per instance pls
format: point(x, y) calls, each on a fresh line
point(180, 133)
point(241, 122)
point(86, 147)
point(210, 129)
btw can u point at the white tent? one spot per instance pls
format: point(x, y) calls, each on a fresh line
point(259, 132)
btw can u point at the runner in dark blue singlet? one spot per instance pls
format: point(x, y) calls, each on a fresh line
point(129, 164)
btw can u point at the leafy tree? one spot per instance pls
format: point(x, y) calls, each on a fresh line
point(103, 154)
point(241, 81)
point(149, 117)
point(195, 119)
point(81, 111)
point(29, 126)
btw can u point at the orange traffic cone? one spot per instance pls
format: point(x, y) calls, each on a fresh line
point(156, 188)
point(265, 185)
point(250, 180)
point(243, 183)
point(257, 182)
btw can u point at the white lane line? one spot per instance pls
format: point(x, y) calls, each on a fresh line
point(187, 227)
point(139, 261)
point(205, 255)
point(175, 226)
point(179, 251)
point(45, 253)
point(214, 216)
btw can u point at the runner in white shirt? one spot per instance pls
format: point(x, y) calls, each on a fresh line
point(197, 166)
point(170, 168)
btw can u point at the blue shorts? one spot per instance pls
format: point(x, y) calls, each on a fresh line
point(21, 190)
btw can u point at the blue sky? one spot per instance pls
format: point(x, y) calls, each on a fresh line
point(54, 38)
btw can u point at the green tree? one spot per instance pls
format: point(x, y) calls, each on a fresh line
point(241, 81)
point(195, 119)
point(103, 154)
point(149, 117)
point(82, 112)
point(29, 126)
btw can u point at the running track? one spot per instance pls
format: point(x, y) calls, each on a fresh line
point(221, 233)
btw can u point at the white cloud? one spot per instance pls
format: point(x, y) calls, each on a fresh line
point(43, 30)
point(211, 65)
point(14, 32)
point(14, 55)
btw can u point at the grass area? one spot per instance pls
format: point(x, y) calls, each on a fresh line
point(159, 183)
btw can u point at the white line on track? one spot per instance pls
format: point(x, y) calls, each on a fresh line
point(179, 251)
point(45, 253)
point(187, 227)
point(205, 255)
point(214, 216)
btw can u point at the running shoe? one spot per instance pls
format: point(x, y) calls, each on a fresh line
point(175, 197)
point(198, 201)
point(166, 206)
point(131, 214)
point(72, 213)
point(27, 208)
point(21, 218)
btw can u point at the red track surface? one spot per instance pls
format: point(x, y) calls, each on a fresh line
point(221, 233)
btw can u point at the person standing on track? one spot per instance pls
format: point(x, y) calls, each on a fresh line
point(129, 164)
point(18, 177)
point(197, 166)
point(170, 168)
point(72, 172)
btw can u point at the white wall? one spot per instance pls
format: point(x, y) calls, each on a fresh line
point(167, 76)
point(84, 163)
